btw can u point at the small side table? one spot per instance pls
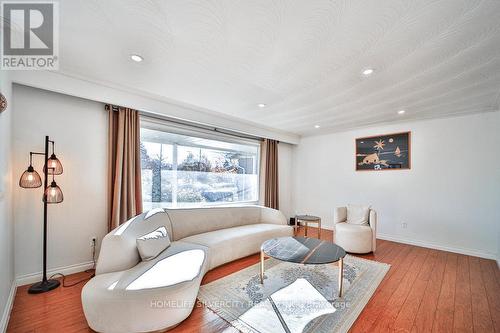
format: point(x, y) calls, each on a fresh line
point(308, 219)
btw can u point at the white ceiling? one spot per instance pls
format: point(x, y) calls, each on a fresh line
point(301, 58)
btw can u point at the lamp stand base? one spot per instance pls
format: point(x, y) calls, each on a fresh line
point(43, 286)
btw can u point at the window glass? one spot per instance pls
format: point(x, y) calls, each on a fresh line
point(186, 171)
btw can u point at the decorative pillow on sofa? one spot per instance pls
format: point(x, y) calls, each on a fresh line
point(152, 244)
point(358, 214)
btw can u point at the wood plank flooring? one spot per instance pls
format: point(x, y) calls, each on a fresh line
point(424, 291)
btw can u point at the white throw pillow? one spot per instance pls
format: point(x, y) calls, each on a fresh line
point(358, 214)
point(152, 244)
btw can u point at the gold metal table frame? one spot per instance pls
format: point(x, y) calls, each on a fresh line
point(306, 219)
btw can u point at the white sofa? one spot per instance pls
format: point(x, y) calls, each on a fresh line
point(355, 238)
point(129, 295)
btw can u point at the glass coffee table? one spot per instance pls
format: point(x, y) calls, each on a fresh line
point(302, 250)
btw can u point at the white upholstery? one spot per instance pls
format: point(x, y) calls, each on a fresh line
point(119, 248)
point(188, 222)
point(352, 237)
point(230, 244)
point(110, 307)
point(358, 214)
point(152, 244)
point(129, 295)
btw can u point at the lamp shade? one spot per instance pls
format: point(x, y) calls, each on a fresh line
point(53, 194)
point(54, 166)
point(30, 179)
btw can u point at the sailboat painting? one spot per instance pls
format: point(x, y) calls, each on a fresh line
point(383, 152)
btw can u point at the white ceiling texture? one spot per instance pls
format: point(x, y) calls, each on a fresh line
point(303, 59)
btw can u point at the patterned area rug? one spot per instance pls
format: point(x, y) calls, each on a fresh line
point(294, 297)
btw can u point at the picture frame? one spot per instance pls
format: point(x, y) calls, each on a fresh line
point(383, 152)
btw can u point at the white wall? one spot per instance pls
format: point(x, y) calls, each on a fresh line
point(6, 221)
point(449, 199)
point(79, 128)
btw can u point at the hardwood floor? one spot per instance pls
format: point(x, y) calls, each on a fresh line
point(424, 291)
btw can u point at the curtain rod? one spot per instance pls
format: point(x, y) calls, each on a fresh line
point(199, 126)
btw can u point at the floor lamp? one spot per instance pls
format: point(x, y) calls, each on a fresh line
point(52, 195)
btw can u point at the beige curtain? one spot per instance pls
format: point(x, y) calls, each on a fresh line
point(124, 165)
point(269, 162)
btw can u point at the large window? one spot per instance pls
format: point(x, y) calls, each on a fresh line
point(180, 170)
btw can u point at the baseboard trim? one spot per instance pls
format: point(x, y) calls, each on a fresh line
point(399, 239)
point(469, 252)
point(71, 269)
point(8, 308)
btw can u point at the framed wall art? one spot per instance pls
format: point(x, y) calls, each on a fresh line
point(384, 152)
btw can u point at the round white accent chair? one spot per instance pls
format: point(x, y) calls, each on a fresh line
point(355, 238)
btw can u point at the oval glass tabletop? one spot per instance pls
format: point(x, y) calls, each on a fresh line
point(303, 250)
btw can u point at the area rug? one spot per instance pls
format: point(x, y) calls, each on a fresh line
point(294, 297)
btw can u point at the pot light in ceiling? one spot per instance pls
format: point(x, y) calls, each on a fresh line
point(317, 126)
point(368, 71)
point(136, 57)
point(401, 112)
point(261, 105)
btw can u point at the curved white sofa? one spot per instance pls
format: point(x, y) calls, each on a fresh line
point(130, 295)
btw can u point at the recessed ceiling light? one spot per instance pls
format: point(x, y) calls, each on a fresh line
point(368, 71)
point(317, 126)
point(136, 57)
point(261, 105)
point(401, 112)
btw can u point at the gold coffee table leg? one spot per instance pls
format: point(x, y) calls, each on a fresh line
point(341, 275)
point(305, 230)
point(261, 267)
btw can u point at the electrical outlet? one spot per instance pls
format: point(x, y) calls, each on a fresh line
point(404, 225)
